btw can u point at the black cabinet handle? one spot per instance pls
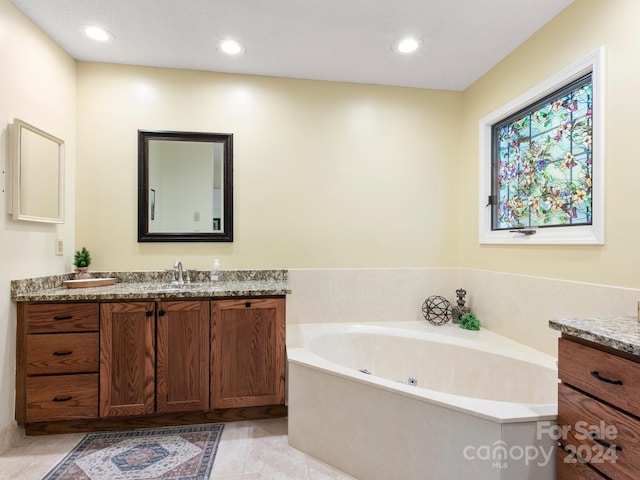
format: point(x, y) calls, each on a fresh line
point(161, 313)
point(247, 304)
point(63, 317)
point(605, 379)
point(595, 438)
point(148, 314)
point(62, 399)
point(62, 354)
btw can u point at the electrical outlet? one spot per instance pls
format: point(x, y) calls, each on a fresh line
point(196, 216)
point(59, 246)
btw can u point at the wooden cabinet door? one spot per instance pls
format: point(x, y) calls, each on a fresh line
point(247, 352)
point(127, 358)
point(182, 356)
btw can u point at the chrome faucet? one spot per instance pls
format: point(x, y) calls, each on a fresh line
point(178, 265)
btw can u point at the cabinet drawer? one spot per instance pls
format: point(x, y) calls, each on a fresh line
point(62, 353)
point(570, 468)
point(62, 397)
point(583, 418)
point(613, 379)
point(62, 317)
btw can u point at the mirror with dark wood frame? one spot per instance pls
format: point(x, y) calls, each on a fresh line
point(185, 186)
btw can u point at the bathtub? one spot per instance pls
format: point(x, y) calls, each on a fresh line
point(412, 400)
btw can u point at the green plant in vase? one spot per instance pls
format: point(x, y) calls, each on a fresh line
point(82, 260)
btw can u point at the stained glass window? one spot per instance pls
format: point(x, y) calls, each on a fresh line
point(542, 162)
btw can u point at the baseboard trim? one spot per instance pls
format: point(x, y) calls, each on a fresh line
point(154, 421)
point(9, 435)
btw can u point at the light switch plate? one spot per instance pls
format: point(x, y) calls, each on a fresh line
point(59, 246)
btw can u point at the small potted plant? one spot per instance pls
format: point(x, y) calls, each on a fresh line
point(468, 321)
point(82, 260)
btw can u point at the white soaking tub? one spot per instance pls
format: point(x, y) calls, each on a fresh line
point(412, 400)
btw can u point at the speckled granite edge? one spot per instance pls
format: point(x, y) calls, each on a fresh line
point(234, 282)
point(619, 333)
point(27, 285)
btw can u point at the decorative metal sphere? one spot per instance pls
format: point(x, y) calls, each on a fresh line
point(437, 310)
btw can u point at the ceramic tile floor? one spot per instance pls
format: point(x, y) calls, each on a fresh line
point(251, 450)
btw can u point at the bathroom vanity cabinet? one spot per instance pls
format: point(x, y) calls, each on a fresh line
point(598, 411)
point(107, 364)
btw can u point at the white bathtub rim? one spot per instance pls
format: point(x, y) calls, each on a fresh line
point(492, 410)
point(484, 339)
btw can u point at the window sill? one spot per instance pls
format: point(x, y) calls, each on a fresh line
point(584, 235)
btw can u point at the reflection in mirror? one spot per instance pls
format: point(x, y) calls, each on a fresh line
point(38, 174)
point(185, 187)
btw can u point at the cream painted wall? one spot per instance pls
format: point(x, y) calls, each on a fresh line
point(38, 85)
point(326, 174)
point(580, 29)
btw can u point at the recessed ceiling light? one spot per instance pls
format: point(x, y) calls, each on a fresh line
point(407, 45)
point(97, 33)
point(231, 47)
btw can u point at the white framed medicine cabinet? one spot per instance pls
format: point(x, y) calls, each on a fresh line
point(37, 174)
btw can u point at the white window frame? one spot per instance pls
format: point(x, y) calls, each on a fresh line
point(570, 235)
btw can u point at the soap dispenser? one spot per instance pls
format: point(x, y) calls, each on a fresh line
point(216, 273)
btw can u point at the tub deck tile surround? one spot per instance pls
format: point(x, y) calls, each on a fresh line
point(153, 284)
point(618, 333)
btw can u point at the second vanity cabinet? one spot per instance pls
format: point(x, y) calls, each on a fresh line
point(599, 409)
point(149, 357)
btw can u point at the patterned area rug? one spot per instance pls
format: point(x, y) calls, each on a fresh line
point(172, 453)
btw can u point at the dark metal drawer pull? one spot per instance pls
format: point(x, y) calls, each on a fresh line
point(247, 304)
point(63, 317)
point(63, 399)
point(595, 438)
point(606, 380)
point(62, 354)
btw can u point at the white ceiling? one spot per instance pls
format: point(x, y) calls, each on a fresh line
point(337, 40)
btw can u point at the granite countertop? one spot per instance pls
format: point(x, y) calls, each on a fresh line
point(619, 333)
point(153, 285)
